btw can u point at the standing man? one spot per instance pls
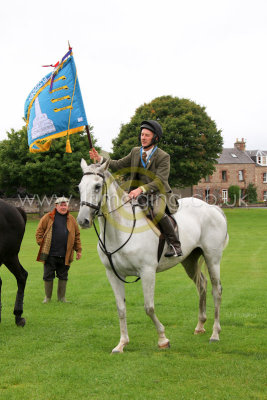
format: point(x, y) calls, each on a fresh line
point(150, 166)
point(58, 236)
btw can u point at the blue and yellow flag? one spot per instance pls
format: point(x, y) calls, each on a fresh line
point(54, 108)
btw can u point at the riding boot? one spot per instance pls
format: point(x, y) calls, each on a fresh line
point(48, 291)
point(171, 236)
point(61, 291)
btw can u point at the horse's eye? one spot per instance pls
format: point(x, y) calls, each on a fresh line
point(97, 188)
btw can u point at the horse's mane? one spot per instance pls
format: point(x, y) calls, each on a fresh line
point(109, 178)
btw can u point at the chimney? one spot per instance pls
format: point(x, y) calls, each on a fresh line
point(240, 144)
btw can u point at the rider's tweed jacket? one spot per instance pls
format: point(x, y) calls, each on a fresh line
point(154, 179)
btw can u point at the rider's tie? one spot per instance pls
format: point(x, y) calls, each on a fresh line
point(144, 156)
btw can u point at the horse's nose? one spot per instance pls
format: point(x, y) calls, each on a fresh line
point(86, 222)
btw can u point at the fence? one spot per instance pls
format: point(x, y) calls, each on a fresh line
point(32, 204)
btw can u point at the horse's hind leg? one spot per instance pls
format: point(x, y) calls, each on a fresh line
point(214, 272)
point(192, 268)
point(14, 266)
point(0, 297)
point(119, 292)
point(148, 284)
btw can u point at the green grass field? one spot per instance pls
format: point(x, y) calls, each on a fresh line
point(64, 351)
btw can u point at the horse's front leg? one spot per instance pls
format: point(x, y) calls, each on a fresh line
point(119, 292)
point(148, 277)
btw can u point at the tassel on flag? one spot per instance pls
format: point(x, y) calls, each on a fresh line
point(68, 146)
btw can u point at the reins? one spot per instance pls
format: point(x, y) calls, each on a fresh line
point(102, 243)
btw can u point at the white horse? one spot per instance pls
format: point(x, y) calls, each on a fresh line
point(128, 246)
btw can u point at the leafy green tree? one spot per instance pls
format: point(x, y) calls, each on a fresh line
point(251, 193)
point(54, 172)
point(189, 136)
point(234, 193)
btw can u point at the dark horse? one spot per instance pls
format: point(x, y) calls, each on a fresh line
point(12, 228)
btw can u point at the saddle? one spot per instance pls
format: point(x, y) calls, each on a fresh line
point(150, 219)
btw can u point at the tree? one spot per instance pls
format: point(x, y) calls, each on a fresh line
point(52, 173)
point(251, 193)
point(189, 136)
point(234, 193)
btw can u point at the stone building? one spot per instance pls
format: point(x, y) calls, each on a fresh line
point(236, 166)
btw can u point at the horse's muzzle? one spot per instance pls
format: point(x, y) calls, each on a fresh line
point(85, 223)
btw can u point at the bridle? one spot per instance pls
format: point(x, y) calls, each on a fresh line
point(91, 205)
point(102, 243)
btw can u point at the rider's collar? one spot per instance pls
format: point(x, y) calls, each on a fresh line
point(149, 155)
point(148, 152)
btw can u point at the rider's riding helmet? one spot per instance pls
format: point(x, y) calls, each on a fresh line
point(154, 127)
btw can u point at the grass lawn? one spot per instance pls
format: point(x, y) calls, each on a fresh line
point(64, 351)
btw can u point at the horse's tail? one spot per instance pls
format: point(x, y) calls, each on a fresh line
point(226, 240)
point(196, 262)
point(23, 214)
point(201, 270)
point(221, 211)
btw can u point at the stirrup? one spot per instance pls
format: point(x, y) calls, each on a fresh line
point(173, 252)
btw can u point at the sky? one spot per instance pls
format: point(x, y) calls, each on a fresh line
point(128, 52)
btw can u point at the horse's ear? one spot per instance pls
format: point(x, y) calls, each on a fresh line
point(104, 166)
point(83, 164)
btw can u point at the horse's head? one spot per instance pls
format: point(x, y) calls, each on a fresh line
point(91, 192)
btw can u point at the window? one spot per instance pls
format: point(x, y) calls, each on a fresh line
point(265, 195)
point(241, 175)
point(225, 195)
point(207, 178)
point(233, 155)
point(265, 177)
point(224, 176)
point(262, 160)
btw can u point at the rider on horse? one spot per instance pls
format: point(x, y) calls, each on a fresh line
point(150, 166)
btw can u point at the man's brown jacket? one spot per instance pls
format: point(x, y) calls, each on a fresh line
point(44, 236)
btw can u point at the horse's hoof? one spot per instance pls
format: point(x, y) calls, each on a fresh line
point(199, 331)
point(20, 322)
point(117, 350)
point(212, 340)
point(166, 345)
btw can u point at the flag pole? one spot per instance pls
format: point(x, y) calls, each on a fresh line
point(89, 139)
point(89, 136)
